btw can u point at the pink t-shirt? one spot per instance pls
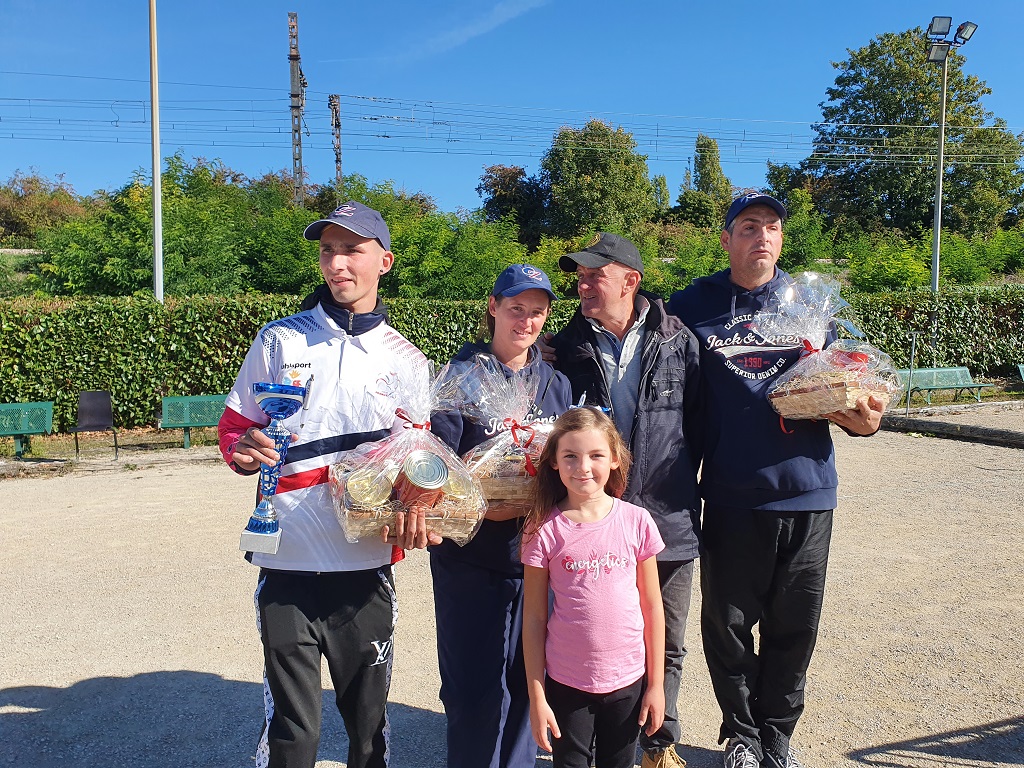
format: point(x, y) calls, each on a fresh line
point(595, 639)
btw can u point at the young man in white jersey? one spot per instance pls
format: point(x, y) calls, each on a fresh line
point(319, 595)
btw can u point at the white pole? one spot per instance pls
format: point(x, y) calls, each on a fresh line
point(937, 223)
point(154, 98)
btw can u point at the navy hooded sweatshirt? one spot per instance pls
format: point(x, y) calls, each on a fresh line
point(752, 458)
point(496, 544)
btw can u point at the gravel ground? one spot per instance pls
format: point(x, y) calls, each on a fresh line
point(128, 634)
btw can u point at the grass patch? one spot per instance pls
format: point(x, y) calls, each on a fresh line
point(101, 444)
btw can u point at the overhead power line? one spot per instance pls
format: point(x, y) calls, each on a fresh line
point(498, 133)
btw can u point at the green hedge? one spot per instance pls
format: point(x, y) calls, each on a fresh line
point(981, 328)
point(141, 350)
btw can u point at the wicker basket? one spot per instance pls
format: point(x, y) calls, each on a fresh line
point(815, 399)
point(507, 488)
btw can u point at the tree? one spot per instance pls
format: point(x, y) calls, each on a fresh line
point(805, 242)
point(597, 181)
point(442, 256)
point(708, 176)
point(885, 263)
point(30, 204)
point(696, 208)
point(874, 155)
point(509, 193)
point(661, 199)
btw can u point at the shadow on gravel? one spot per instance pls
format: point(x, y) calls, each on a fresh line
point(178, 719)
point(417, 735)
point(158, 719)
point(995, 744)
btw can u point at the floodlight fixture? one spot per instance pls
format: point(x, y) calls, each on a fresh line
point(940, 26)
point(964, 32)
point(938, 52)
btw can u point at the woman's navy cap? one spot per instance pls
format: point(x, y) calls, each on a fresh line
point(522, 277)
point(355, 217)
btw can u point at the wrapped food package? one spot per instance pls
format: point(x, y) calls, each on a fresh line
point(411, 467)
point(505, 464)
point(829, 379)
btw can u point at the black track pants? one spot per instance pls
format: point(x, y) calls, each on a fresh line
point(347, 618)
point(765, 568)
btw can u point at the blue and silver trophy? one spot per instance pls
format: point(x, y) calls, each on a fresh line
point(278, 401)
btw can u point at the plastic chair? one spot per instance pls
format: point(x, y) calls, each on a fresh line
point(95, 414)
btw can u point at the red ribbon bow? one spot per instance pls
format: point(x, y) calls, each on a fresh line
point(515, 428)
point(403, 414)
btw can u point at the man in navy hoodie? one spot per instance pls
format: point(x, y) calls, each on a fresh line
point(769, 488)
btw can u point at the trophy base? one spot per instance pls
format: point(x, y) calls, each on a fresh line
point(263, 543)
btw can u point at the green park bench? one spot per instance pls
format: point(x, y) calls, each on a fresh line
point(187, 411)
point(20, 420)
point(928, 380)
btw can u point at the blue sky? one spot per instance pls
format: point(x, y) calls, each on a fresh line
point(433, 92)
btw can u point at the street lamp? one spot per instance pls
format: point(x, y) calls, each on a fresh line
point(938, 53)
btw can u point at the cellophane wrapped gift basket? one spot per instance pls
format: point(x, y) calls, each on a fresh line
point(373, 482)
point(505, 464)
point(824, 379)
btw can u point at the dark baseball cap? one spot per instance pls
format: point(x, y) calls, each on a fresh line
point(355, 217)
point(753, 198)
point(521, 277)
point(604, 249)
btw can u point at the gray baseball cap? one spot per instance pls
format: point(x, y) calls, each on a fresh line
point(604, 249)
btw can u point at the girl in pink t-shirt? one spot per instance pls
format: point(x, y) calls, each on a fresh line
point(595, 668)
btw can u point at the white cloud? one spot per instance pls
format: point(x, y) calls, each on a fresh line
point(499, 14)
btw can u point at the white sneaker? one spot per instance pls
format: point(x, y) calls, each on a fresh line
point(739, 755)
point(791, 761)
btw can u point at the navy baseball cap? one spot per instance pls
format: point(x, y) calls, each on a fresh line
point(753, 198)
point(604, 249)
point(355, 217)
point(521, 277)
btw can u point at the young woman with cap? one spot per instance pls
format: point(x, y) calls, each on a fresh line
point(478, 588)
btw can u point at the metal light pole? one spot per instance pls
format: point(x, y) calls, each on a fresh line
point(939, 54)
point(937, 223)
point(154, 99)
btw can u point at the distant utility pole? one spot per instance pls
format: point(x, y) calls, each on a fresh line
point(298, 93)
point(334, 102)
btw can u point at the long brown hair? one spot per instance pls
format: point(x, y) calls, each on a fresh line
point(548, 488)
